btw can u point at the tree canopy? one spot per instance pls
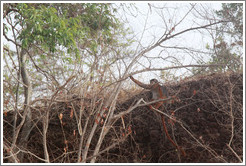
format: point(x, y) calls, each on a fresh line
point(52, 25)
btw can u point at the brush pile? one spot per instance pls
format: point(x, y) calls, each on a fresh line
point(207, 123)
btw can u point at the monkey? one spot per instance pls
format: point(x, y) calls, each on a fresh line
point(158, 92)
point(156, 89)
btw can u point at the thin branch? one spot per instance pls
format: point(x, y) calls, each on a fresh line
point(173, 67)
point(106, 149)
point(10, 153)
point(189, 29)
point(234, 153)
point(46, 120)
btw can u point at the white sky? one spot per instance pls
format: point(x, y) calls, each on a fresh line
point(156, 27)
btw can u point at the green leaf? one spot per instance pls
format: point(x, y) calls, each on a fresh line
point(24, 43)
point(42, 56)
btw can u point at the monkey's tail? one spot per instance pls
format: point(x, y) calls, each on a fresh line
point(168, 136)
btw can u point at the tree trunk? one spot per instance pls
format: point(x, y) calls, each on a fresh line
point(26, 129)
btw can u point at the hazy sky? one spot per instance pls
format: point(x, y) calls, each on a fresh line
point(151, 19)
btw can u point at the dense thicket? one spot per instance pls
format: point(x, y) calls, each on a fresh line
point(209, 126)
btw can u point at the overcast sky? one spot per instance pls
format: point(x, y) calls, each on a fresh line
point(151, 19)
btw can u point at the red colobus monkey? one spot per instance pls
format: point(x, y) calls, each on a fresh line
point(158, 92)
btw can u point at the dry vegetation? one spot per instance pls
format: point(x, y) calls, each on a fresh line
point(64, 93)
point(207, 122)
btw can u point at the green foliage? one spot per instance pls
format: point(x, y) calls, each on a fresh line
point(42, 26)
point(233, 13)
point(53, 25)
point(228, 52)
point(5, 28)
point(224, 55)
point(64, 37)
point(227, 47)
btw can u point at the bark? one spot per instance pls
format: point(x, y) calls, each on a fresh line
point(111, 102)
point(26, 129)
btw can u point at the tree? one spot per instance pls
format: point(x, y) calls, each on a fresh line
point(233, 14)
point(227, 40)
point(51, 35)
point(83, 53)
point(229, 52)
